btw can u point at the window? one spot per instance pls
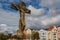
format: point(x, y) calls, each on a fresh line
point(44, 39)
point(43, 33)
point(54, 34)
point(54, 39)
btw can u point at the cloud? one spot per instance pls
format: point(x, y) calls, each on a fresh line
point(51, 18)
point(37, 19)
point(50, 3)
point(5, 28)
point(53, 12)
point(2, 27)
point(53, 15)
point(8, 21)
point(7, 17)
point(51, 21)
point(36, 12)
point(42, 22)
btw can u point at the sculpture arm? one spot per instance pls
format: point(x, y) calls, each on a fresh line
point(27, 11)
point(14, 6)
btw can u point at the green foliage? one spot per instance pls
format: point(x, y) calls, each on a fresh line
point(35, 35)
point(3, 37)
point(15, 37)
point(9, 36)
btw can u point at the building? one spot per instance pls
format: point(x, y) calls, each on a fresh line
point(32, 35)
point(28, 34)
point(25, 33)
point(58, 33)
point(43, 34)
point(52, 33)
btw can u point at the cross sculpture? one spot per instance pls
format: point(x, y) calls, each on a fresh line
point(21, 7)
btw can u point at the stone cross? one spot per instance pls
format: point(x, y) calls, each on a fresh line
point(21, 7)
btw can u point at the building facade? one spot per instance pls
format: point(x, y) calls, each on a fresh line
point(28, 34)
point(52, 33)
point(43, 34)
point(58, 33)
point(24, 32)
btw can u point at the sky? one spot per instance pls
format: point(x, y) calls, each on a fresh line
point(43, 14)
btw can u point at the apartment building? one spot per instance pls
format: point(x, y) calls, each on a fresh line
point(52, 33)
point(28, 34)
point(43, 34)
point(58, 33)
point(25, 33)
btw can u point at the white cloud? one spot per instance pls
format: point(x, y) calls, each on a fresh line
point(51, 21)
point(53, 15)
point(8, 21)
point(50, 3)
point(36, 12)
point(43, 21)
point(7, 17)
point(5, 27)
point(51, 18)
point(11, 18)
point(53, 12)
point(2, 27)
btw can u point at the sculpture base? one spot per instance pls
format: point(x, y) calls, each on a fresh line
point(20, 34)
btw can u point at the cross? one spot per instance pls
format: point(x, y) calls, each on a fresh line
point(21, 7)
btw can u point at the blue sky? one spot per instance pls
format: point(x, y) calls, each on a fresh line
point(43, 14)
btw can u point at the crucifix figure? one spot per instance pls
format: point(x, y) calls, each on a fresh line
point(21, 7)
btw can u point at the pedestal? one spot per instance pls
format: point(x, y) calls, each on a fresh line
point(20, 34)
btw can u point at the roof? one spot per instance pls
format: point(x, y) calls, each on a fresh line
point(50, 28)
